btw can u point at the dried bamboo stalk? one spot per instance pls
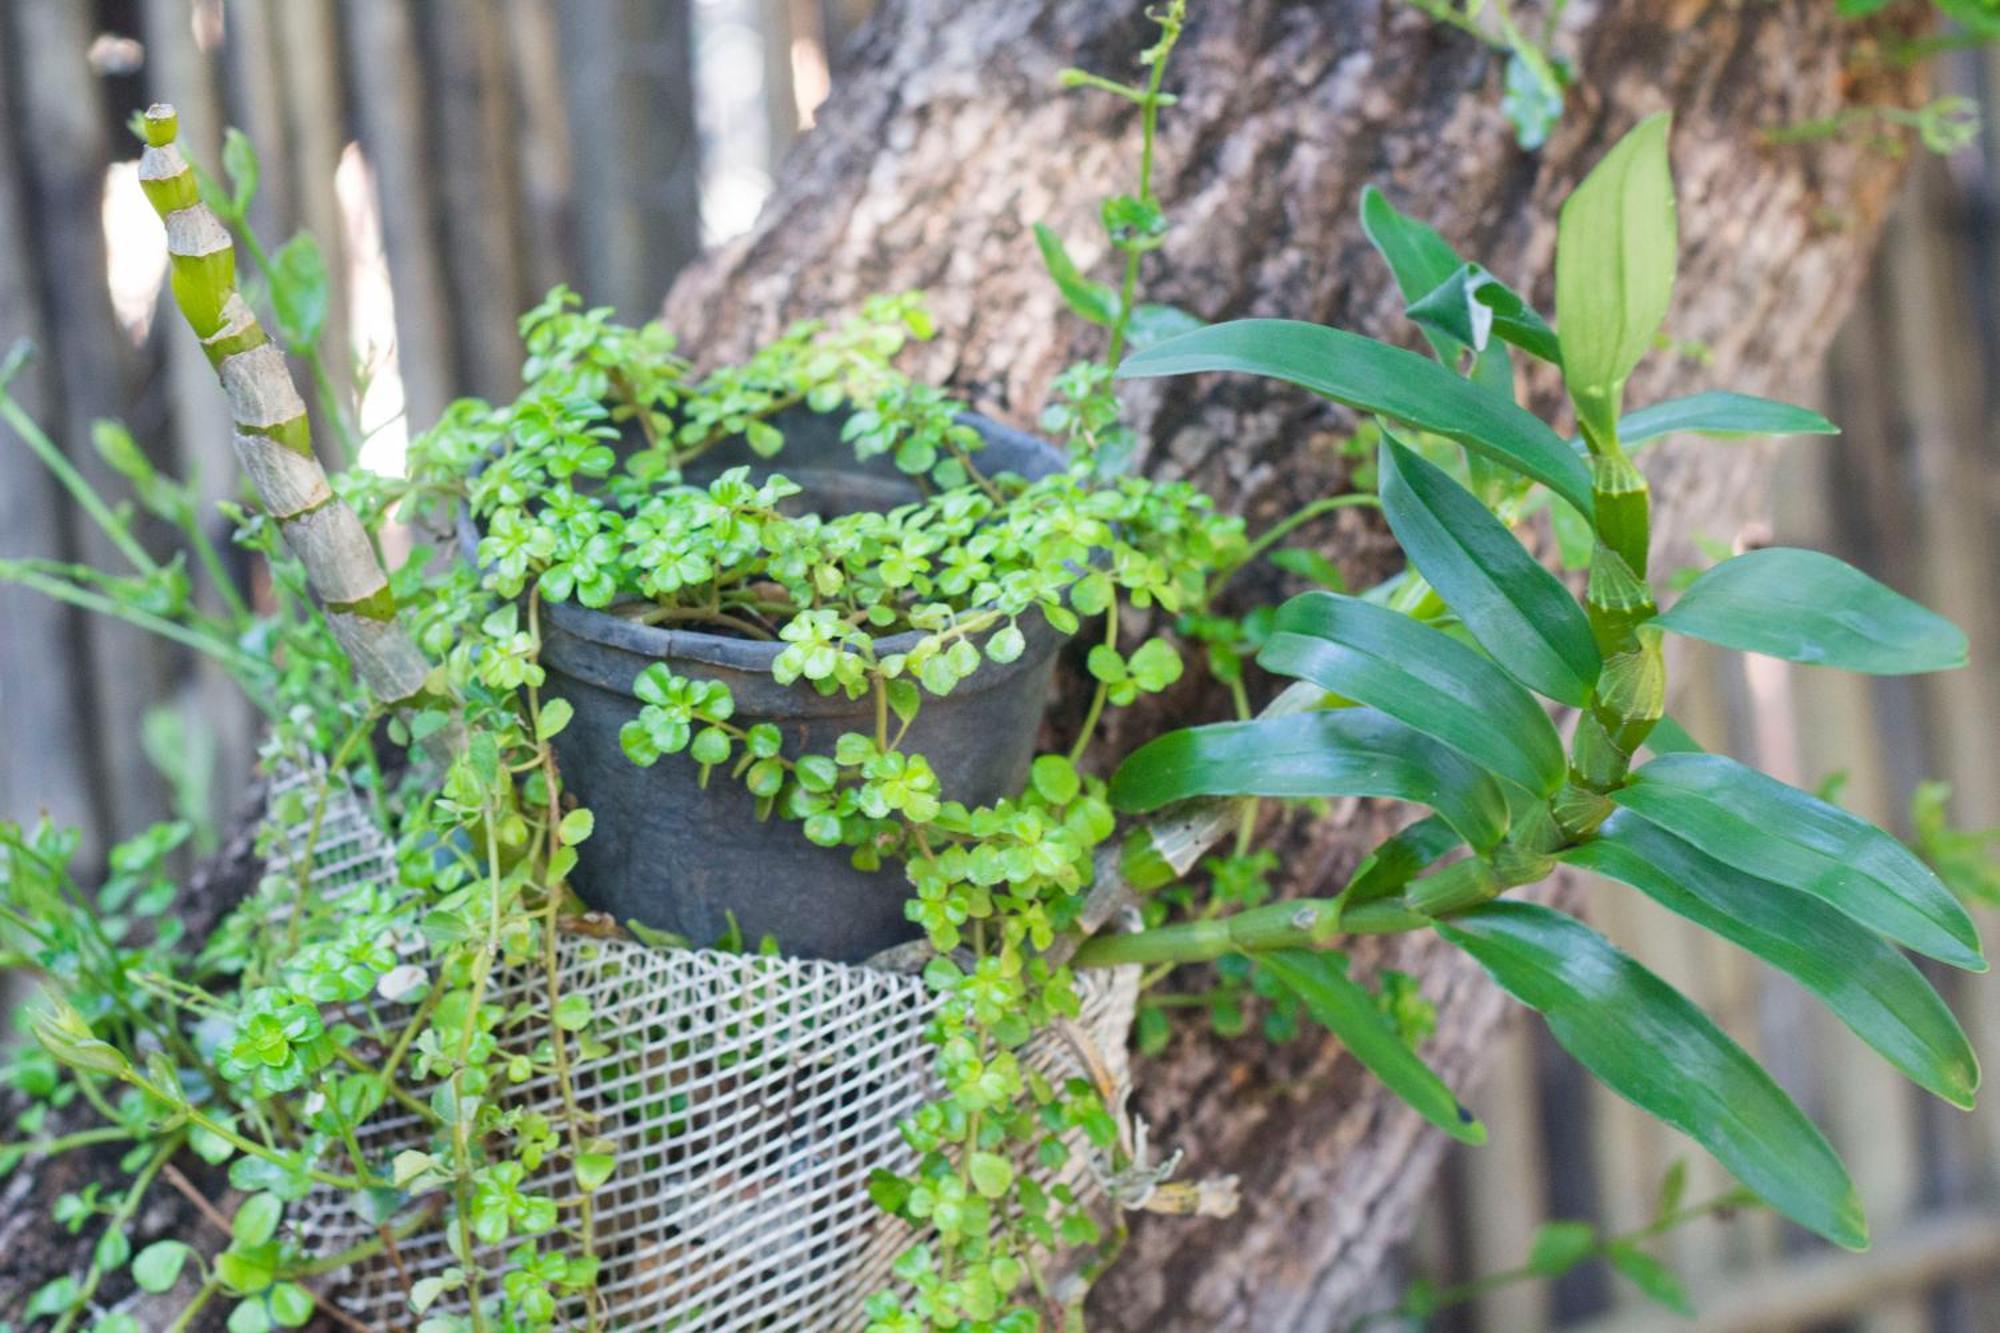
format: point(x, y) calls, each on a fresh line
point(272, 437)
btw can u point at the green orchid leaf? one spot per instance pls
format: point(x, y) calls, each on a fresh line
point(1375, 377)
point(1776, 832)
point(1419, 259)
point(1397, 860)
point(1719, 413)
point(1088, 300)
point(1345, 1008)
point(1519, 612)
point(1346, 752)
point(1670, 737)
point(1472, 307)
point(1650, 1276)
point(1616, 247)
point(300, 290)
point(1867, 983)
point(1422, 678)
point(1152, 323)
point(1807, 606)
point(1645, 1041)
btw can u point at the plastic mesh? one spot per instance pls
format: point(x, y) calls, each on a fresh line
point(747, 1098)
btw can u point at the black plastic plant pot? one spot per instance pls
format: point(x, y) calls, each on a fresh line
point(677, 856)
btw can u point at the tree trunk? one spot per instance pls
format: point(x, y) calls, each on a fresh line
point(947, 138)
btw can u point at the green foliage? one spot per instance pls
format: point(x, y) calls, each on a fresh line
point(1519, 611)
point(1563, 1246)
point(1644, 1041)
point(1768, 829)
point(1615, 252)
point(1864, 980)
point(1422, 678)
point(1534, 80)
point(1806, 606)
point(1348, 1011)
point(1943, 125)
point(1374, 377)
point(1347, 752)
point(1721, 414)
point(1967, 860)
point(1426, 712)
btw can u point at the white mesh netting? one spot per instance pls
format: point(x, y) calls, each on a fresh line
point(747, 1098)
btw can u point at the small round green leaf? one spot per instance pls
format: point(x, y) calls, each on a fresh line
point(256, 1219)
point(157, 1267)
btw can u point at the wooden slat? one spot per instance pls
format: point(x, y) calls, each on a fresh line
point(548, 234)
point(472, 121)
point(64, 149)
point(1505, 1183)
point(384, 71)
point(43, 700)
point(307, 47)
point(629, 81)
point(1831, 1283)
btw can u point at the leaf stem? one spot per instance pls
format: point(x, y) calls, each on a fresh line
point(1102, 692)
point(1296, 923)
point(1278, 531)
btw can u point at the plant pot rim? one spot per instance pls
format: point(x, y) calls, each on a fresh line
point(734, 652)
point(608, 630)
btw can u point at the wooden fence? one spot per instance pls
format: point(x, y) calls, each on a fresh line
point(491, 148)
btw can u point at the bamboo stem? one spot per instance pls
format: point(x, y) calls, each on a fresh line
point(272, 437)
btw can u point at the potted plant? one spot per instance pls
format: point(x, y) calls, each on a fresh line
point(754, 564)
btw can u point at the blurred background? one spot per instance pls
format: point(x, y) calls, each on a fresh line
point(457, 158)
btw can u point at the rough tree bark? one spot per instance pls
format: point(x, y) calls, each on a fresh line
point(948, 138)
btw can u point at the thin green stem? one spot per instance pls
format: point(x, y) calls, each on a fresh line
point(120, 1217)
point(1470, 1290)
point(83, 1138)
point(199, 1117)
point(1296, 923)
point(1149, 122)
point(85, 495)
point(1083, 78)
point(322, 799)
point(218, 573)
point(367, 1249)
point(1446, 12)
point(1103, 691)
point(551, 911)
point(248, 670)
point(329, 406)
point(194, 1307)
point(1279, 530)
